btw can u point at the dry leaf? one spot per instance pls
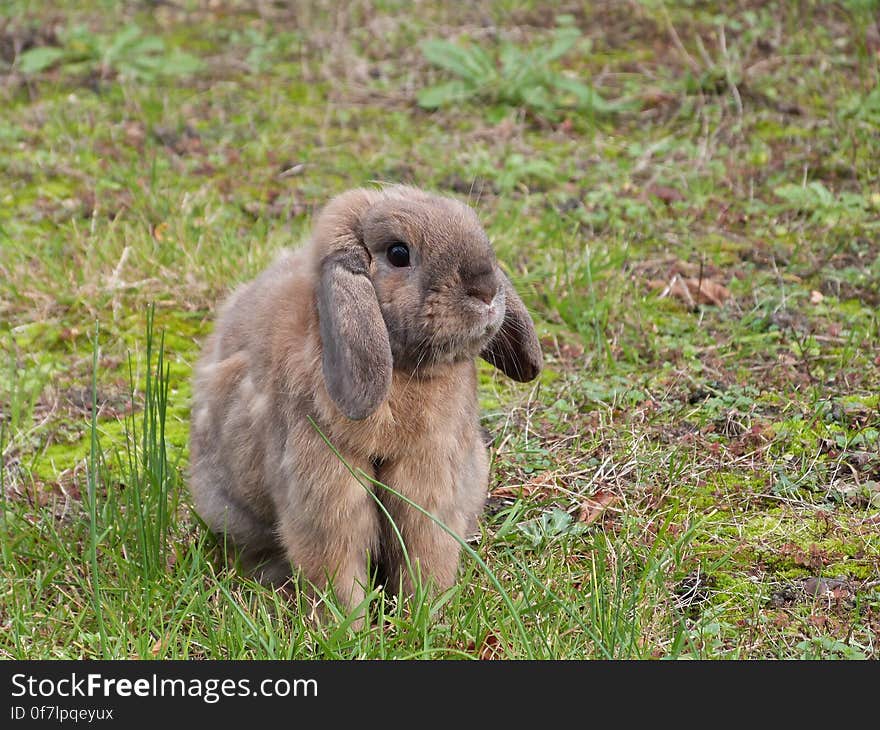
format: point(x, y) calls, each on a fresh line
point(693, 291)
point(709, 291)
point(566, 351)
point(134, 132)
point(594, 507)
point(538, 483)
point(570, 352)
point(664, 193)
point(836, 588)
point(514, 491)
point(491, 648)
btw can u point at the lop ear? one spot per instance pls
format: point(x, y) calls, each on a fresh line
point(356, 360)
point(515, 349)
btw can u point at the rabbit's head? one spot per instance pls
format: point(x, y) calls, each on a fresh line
point(409, 281)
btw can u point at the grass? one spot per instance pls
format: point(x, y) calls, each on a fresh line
point(695, 474)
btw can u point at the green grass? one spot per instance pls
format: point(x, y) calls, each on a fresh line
point(732, 444)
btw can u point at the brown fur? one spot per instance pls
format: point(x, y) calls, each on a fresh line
point(382, 359)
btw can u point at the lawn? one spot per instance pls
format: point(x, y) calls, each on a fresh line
point(686, 195)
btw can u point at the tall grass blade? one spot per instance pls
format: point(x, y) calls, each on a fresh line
point(93, 500)
point(151, 479)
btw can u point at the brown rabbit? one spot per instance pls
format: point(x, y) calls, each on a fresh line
point(371, 329)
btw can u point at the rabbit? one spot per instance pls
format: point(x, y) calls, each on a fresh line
point(369, 333)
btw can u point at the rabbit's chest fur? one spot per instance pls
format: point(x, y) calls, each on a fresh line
point(420, 415)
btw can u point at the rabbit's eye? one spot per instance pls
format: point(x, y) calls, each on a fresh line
point(398, 255)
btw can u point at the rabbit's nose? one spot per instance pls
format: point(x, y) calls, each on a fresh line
point(483, 287)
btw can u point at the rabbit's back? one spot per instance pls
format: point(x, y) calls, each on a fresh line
point(248, 366)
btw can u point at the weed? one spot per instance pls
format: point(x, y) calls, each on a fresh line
point(513, 77)
point(128, 54)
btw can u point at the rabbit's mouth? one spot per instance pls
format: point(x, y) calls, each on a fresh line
point(459, 347)
point(489, 318)
point(449, 332)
